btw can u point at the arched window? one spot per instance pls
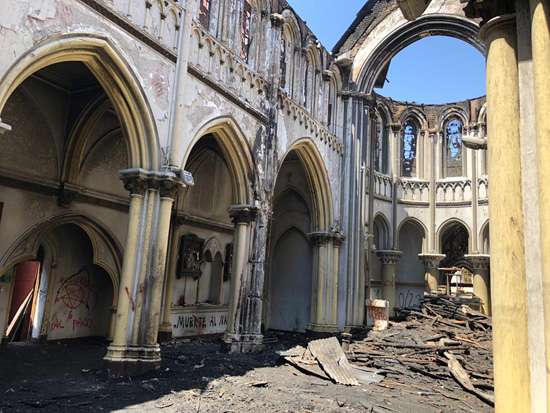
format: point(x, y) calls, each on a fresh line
point(306, 81)
point(380, 146)
point(282, 64)
point(452, 156)
point(245, 29)
point(204, 12)
point(408, 149)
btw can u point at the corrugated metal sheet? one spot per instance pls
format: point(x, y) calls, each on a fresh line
point(332, 359)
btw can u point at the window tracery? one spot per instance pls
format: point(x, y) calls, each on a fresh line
point(408, 151)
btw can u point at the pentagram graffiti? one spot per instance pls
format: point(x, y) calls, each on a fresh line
point(76, 290)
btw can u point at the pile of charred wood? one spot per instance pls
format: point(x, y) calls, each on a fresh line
point(441, 340)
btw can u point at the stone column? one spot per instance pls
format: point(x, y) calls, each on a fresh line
point(168, 190)
point(242, 216)
point(165, 328)
point(480, 264)
point(509, 293)
point(337, 240)
point(321, 242)
point(389, 259)
point(431, 274)
point(117, 352)
point(47, 307)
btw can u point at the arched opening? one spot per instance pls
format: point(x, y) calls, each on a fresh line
point(61, 292)
point(203, 271)
point(289, 284)
point(454, 241)
point(409, 271)
point(380, 242)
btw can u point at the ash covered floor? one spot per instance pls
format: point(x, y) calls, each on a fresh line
point(196, 377)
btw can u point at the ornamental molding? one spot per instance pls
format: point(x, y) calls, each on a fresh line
point(389, 257)
point(431, 260)
point(479, 261)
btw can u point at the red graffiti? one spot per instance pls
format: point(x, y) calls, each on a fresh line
point(82, 322)
point(388, 283)
point(57, 324)
point(376, 313)
point(131, 299)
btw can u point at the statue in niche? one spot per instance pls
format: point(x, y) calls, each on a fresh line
point(190, 256)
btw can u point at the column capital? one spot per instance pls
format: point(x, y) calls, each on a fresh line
point(431, 260)
point(277, 20)
point(489, 9)
point(389, 256)
point(320, 238)
point(137, 181)
point(395, 127)
point(243, 214)
point(479, 261)
point(338, 238)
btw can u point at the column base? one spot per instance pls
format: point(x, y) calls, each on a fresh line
point(246, 343)
point(165, 333)
point(321, 330)
point(130, 361)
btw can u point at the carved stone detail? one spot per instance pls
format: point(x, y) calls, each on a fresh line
point(277, 20)
point(431, 260)
point(135, 185)
point(169, 189)
point(243, 214)
point(389, 257)
point(320, 238)
point(479, 261)
point(488, 9)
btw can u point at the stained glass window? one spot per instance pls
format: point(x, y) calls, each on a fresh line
point(204, 12)
point(245, 30)
point(453, 148)
point(408, 151)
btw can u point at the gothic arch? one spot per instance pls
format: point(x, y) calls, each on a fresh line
point(418, 225)
point(121, 85)
point(449, 223)
point(321, 195)
point(107, 251)
point(428, 25)
point(237, 155)
point(384, 231)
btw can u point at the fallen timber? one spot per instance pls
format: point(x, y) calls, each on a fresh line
point(441, 340)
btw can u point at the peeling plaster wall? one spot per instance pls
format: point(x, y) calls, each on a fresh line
point(28, 24)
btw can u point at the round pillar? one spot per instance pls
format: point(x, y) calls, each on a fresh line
point(480, 264)
point(508, 289)
point(431, 272)
point(389, 259)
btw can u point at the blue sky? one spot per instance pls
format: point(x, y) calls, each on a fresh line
point(433, 70)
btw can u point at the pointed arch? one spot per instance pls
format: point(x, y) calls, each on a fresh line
point(121, 85)
point(321, 195)
point(107, 251)
point(419, 225)
point(446, 225)
point(236, 152)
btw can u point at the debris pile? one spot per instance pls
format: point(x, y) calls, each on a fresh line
point(442, 340)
